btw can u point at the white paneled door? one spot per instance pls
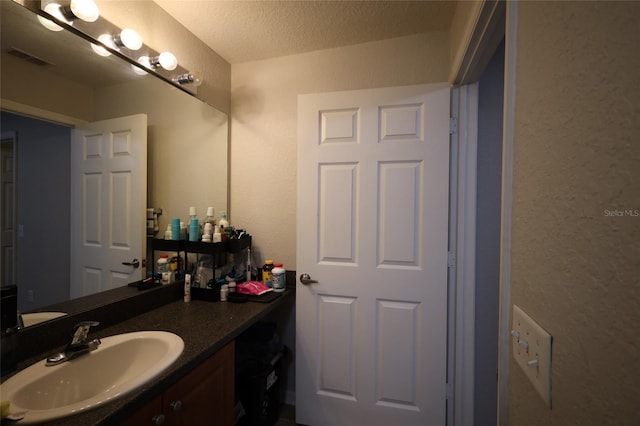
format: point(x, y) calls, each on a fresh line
point(372, 228)
point(109, 200)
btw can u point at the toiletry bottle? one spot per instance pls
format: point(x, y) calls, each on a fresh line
point(223, 224)
point(248, 277)
point(267, 278)
point(175, 228)
point(163, 269)
point(187, 288)
point(194, 229)
point(278, 278)
point(207, 233)
point(210, 217)
point(217, 237)
point(224, 292)
point(167, 233)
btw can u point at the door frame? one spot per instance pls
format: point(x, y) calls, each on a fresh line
point(462, 257)
point(13, 136)
point(490, 20)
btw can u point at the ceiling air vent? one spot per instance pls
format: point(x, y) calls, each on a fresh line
point(27, 57)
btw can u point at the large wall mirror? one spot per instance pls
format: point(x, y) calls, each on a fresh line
point(52, 82)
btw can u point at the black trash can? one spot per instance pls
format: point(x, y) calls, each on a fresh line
point(259, 390)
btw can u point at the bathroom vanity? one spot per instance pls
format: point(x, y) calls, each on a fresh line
point(202, 396)
point(199, 387)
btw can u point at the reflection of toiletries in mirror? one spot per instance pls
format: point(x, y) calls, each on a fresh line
point(210, 217)
point(175, 228)
point(194, 229)
point(223, 223)
point(152, 220)
point(217, 237)
point(207, 233)
point(150, 223)
point(183, 231)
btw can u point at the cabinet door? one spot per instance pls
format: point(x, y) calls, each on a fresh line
point(205, 396)
point(147, 415)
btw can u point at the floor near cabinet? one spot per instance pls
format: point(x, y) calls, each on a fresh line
point(287, 416)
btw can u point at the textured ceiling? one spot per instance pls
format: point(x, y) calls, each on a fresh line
point(242, 31)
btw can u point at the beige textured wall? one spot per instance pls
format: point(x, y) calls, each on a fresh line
point(575, 268)
point(161, 32)
point(264, 119)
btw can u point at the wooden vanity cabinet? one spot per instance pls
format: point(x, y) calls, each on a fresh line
point(204, 396)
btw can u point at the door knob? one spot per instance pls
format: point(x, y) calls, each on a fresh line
point(135, 263)
point(306, 279)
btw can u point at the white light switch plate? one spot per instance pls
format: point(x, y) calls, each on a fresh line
point(532, 351)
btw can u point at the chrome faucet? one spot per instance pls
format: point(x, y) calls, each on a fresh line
point(80, 344)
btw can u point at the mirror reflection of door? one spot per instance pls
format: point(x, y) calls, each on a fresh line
point(109, 193)
point(7, 197)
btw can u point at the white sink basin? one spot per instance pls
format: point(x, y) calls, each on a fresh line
point(120, 364)
point(34, 318)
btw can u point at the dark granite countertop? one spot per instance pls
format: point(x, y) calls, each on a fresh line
point(204, 326)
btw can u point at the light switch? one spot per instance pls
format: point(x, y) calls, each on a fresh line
point(532, 351)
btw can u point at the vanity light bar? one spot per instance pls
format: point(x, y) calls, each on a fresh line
point(65, 12)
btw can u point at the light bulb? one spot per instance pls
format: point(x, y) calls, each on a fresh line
point(196, 79)
point(138, 70)
point(87, 10)
point(49, 24)
point(53, 9)
point(130, 39)
point(168, 61)
point(145, 62)
point(107, 40)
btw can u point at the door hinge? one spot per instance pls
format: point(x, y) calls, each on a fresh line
point(451, 259)
point(453, 125)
